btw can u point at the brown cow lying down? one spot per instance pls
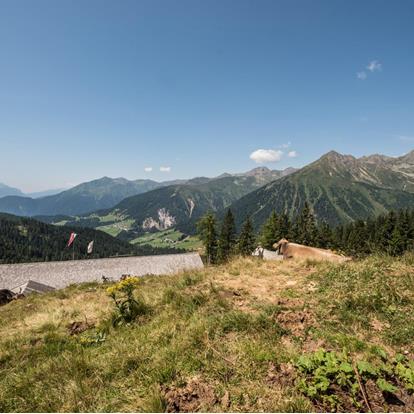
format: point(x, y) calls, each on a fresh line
point(299, 251)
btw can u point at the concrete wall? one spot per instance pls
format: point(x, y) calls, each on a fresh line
point(62, 274)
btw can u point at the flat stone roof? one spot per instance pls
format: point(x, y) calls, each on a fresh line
point(65, 273)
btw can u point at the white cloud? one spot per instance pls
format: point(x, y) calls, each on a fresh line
point(292, 154)
point(262, 156)
point(362, 75)
point(165, 169)
point(148, 169)
point(374, 66)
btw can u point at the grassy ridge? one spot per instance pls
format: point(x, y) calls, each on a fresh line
point(226, 338)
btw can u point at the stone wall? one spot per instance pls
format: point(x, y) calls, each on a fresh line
point(62, 274)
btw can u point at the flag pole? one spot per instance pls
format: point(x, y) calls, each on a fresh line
point(73, 249)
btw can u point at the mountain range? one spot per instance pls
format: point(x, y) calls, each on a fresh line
point(339, 188)
point(5, 191)
point(102, 193)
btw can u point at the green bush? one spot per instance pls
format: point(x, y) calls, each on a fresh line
point(127, 306)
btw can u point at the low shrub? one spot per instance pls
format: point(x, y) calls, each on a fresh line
point(332, 379)
point(127, 305)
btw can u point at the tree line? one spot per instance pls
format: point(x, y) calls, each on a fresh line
point(391, 233)
point(28, 240)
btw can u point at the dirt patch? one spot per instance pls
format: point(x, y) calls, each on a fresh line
point(265, 282)
point(196, 395)
point(78, 327)
point(283, 375)
point(400, 401)
point(295, 317)
point(376, 400)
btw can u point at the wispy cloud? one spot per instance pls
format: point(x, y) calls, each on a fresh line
point(148, 169)
point(287, 145)
point(292, 154)
point(362, 75)
point(165, 169)
point(374, 66)
point(262, 156)
point(406, 137)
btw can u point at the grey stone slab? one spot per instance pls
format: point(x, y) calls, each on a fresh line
point(65, 273)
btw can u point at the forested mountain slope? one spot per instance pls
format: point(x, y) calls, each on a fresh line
point(26, 240)
point(339, 188)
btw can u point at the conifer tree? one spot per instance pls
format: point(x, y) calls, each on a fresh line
point(396, 243)
point(285, 230)
point(247, 240)
point(357, 239)
point(270, 231)
point(227, 239)
point(324, 236)
point(207, 232)
point(306, 231)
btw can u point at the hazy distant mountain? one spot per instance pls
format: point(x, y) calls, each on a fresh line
point(5, 190)
point(339, 188)
point(94, 195)
point(102, 194)
point(45, 193)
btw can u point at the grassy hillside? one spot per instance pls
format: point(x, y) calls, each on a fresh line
point(240, 337)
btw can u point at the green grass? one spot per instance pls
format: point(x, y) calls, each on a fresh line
point(199, 332)
point(168, 238)
point(114, 229)
point(375, 294)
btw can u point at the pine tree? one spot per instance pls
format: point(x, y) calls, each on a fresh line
point(357, 239)
point(207, 232)
point(227, 239)
point(305, 227)
point(247, 240)
point(403, 225)
point(324, 237)
point(285, 227)
point(396, 243)
point(270, 231)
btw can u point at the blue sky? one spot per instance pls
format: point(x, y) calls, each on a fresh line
point(94, 88)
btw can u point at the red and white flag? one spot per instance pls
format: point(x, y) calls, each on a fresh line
point(71, 238)
point(90, 247)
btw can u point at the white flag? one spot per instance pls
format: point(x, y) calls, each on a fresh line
point(90, 247)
